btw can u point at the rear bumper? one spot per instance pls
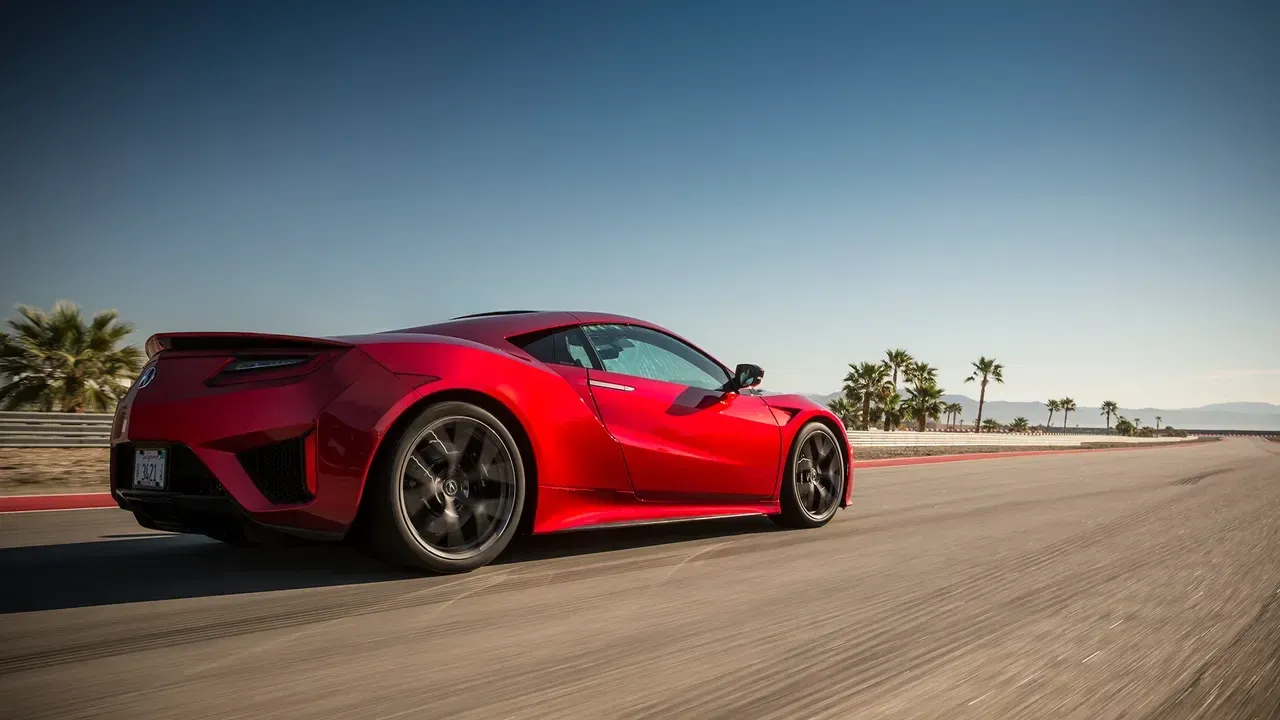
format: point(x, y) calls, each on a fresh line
point(195, 501)
point(290, 457)
point(216, 516)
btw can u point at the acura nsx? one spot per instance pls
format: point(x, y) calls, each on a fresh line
point(434, 446)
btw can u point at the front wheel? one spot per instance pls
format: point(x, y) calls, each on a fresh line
point(449, 500)
point(813, 482)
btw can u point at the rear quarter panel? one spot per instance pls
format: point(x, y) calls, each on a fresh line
point(571, 448)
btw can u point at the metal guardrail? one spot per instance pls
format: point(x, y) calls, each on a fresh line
point(40, 429)
point(37, 429)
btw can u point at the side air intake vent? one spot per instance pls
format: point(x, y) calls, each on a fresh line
point(279, 470)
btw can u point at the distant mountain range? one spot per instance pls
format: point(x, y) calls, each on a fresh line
point(1219, 416)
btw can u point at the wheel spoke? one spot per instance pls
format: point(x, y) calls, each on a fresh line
point(416, 497)
point(491, 465)
point(419, 472)
point(823, 494)
point(830, 491)
point(806, 453)
point(443, 449)
point(829, 461)
point(822, 448)
point(440, 524)
point(468, 443)
point(482, 511)
point(420, 517)
point(455, 536)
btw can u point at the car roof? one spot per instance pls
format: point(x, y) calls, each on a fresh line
point(492, 328)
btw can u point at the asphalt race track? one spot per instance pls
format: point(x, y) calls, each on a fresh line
point(1135, 583)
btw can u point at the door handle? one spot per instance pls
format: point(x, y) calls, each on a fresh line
point(609, 385)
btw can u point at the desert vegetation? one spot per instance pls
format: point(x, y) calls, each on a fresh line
point(899, 390)
point(60, 362)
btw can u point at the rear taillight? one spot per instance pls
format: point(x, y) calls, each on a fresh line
point(262, 368)
point(252, 365)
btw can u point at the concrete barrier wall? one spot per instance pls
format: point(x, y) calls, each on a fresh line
point(35, 429)
point(904, 438)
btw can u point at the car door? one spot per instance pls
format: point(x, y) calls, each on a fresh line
point(683, 437)
point(566, 352)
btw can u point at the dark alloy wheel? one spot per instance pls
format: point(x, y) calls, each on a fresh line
point(813, 484)
point(454, 491)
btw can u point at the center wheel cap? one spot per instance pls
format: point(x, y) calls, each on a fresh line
point(450, 487)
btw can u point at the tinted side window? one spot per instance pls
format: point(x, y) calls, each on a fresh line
point(638, 351)
point(542, 345)
point(567, 346)
point(572, 349)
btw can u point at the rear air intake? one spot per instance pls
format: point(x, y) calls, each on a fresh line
point(279, 470)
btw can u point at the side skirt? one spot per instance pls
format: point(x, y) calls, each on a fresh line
point(563, 509)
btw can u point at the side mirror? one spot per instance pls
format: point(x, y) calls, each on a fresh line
point(746, 376)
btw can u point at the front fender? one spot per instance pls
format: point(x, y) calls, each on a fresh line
point(794, 412)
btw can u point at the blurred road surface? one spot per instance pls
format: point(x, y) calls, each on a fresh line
point(1135, 584)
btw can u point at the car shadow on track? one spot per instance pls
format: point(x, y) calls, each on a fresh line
point(137, 567)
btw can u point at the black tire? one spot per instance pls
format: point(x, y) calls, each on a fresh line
point(408, 505)
point(802, 489)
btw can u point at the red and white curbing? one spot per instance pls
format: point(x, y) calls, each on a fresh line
point(94, 501)
point(58, 501)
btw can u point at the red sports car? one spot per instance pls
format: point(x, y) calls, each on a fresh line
point(433, 446)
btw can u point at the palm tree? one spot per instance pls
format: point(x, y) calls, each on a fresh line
point(1054, 406)
point(924, 401)
point(890, 407)
point(1123, 426)
point(985, 369)
point(921, 372)
point(991, 424)
point(877, 416)
point(864, 383)
point(1109, 408)
point(57, 361)
point(953, 411)
point(1020, 424)
point(845, 410)
point(1158, 419)
point(1137, 423)
point(897, 360)
point(1066, 405)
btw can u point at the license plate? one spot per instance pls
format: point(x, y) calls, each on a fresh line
point(148, 469)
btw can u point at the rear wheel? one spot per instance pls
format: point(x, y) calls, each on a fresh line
point(814, 479)
point(450, 497)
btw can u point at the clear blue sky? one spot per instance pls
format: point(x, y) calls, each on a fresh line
point(1089, 191)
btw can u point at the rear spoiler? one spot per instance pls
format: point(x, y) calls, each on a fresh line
point(236, 341)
